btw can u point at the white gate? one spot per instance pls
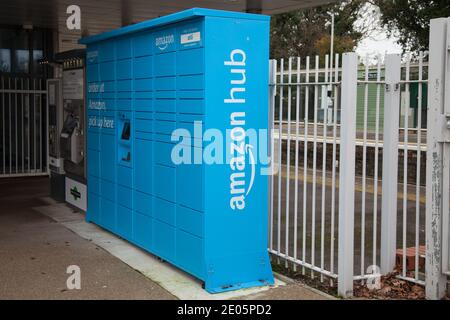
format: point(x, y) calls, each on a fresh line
point(348, 201)
point(23, 127)
point(313, 104)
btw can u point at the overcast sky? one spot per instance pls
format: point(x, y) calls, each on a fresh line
point(377, 42)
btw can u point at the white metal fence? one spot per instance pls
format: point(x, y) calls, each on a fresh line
point(348, 201)
point(438, 165)
point(297, 225)
point(23, 127)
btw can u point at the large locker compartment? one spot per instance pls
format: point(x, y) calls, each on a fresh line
point(171, 165)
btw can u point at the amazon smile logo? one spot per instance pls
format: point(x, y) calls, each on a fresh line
point(238, 189)
point(249, 151)
point(163, 42)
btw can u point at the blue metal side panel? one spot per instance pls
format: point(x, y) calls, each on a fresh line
point(236, 215)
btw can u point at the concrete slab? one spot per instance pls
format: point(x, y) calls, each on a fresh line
point(291, 291)
point(175, 281)
point(35, 252)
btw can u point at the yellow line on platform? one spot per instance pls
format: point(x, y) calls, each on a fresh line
point(358, 188)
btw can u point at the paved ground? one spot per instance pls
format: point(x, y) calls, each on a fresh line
point(292, 291)
point(35, 252)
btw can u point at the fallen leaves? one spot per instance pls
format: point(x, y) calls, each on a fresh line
point(391, 287)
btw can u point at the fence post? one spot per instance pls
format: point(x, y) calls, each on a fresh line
point(390, 163)
point(271, 170)
point(439, 73)
point(347, 174)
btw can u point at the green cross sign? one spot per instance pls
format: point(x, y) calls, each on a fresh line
point(75, 193)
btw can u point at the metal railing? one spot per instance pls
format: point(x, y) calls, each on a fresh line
point(303, 225)
point(342, 139)
point(23, 127)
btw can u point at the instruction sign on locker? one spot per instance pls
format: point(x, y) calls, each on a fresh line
point(172, 166)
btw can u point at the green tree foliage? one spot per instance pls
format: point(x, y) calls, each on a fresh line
point(409, 20)
point(341, 44)
point(307, 32)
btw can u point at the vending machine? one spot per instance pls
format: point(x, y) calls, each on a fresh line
point(55, 121)
point(72, 135)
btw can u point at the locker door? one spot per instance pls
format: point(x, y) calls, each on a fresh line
point(143, 165)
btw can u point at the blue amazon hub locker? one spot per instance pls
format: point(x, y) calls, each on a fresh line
point(154, 89)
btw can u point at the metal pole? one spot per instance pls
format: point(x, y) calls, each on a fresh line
point(22, 128)
point(331, 49)
point(333, 171)
point(418, 166)
point(288, 159)
point(10, 132)
point(437, 136)
point(272, 94)
point(305, 163)
point(314, 175)
point(3, 127)
point(405, 163)
point(29, 127)
point(280, 155)
point(16, 126)
point(375, 175)
point(40, 126)
point(347, 174)
point(390, 163)
point(297, 132)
